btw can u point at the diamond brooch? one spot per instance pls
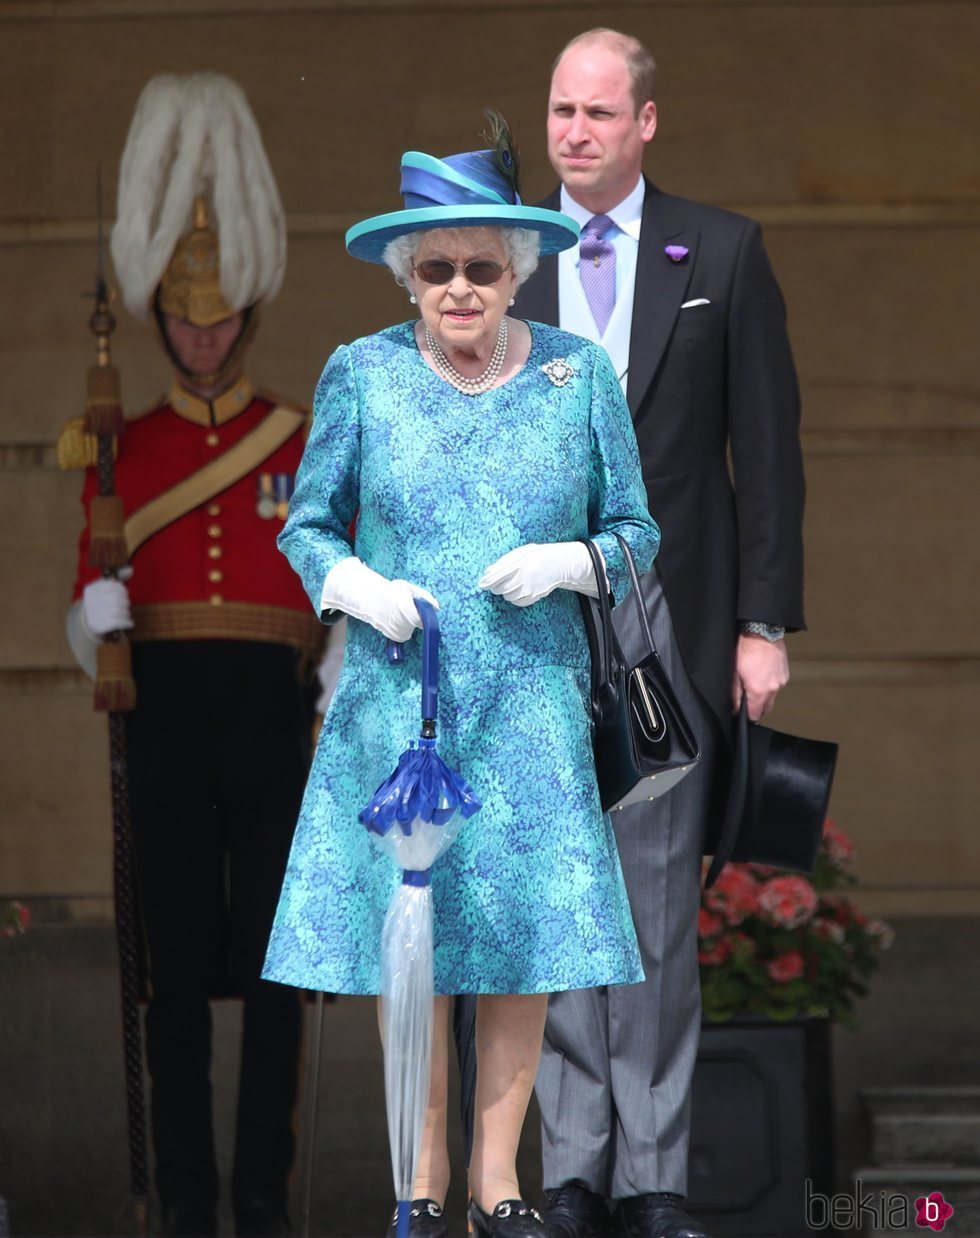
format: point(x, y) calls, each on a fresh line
point(558, 370)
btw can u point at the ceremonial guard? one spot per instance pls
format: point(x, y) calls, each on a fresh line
point(224, 642)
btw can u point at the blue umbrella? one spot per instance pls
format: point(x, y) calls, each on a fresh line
point(414, 816)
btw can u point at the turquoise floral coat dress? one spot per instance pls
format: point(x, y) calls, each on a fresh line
point(529, 898)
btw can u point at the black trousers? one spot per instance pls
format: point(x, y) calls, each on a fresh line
point(219, 748)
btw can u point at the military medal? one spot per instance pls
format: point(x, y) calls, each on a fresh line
point(266, 500)
point(285, 483)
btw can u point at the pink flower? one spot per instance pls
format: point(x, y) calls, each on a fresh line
point(718, 953)
point(830, 930)
point(734, 895)
point(881, 933)
point(786, 966)
point(845, 912)
point(837, 847)
point(709, 924)
point(788, 901)
point(801, 945)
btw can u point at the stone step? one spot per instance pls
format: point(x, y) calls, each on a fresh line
point(889, 1194)
point(924, 1125)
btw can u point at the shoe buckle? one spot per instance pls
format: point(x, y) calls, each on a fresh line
point(432, 1209)
point(503, 1210)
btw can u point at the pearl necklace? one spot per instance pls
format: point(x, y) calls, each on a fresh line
point(482, 382)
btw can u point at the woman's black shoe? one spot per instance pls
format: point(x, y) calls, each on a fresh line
point(425, 1220)
point(512, 1218)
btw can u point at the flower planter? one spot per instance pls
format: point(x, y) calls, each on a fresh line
point(761, 1125)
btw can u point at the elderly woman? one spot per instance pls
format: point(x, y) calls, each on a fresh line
point(475, 451)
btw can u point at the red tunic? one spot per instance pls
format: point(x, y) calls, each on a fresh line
point(216, 571)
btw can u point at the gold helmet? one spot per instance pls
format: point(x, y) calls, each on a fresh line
point(190, 287)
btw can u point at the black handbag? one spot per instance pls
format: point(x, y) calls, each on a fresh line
point(777, 799)
point(642, 740)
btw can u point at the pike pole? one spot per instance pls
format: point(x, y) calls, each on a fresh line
point(115, 694)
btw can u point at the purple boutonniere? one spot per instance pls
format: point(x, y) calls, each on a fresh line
point(676, 253)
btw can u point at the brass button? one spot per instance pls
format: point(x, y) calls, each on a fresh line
point(216, 599)
point(214, 509)
point(212, 439)
point(215, 552)
point(215, 575)
point(215, 530)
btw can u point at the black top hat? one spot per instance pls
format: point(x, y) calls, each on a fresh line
point(777, 801)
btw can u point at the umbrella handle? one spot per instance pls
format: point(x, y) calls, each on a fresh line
point(430, 658)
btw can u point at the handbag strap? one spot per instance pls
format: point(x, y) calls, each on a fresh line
point(735, 806)
point(637, 592)
point(603, 680)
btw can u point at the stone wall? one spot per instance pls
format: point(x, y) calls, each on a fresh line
point(850, 129)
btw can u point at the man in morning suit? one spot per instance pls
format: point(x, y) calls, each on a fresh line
point(684, 300)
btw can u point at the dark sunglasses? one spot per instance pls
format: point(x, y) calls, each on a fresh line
point(480, 272)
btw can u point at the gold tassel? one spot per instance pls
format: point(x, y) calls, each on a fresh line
point(115, 689)
point(107, 546)
point(103, 403)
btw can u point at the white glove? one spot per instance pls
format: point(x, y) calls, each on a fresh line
point(531, 572)
point(388, 605)
point(105, 608)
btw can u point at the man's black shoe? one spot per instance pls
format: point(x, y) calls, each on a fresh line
point(657, 1215)
point(573, 1211)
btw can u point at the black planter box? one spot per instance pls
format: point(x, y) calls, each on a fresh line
point(761, 1125)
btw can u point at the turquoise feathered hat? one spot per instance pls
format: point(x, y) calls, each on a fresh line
point(478, 188)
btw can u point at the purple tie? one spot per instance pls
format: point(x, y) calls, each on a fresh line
point(597, 269)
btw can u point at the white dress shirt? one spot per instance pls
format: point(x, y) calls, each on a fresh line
point(574, 313)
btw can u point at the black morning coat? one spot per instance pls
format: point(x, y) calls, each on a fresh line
point(715, 403)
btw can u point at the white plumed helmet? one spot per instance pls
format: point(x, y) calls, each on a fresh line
point(198, 207)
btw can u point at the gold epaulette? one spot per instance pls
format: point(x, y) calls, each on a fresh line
point(76, 448)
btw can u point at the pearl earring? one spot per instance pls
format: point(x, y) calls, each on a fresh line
point(511, 301)
point(413, 299)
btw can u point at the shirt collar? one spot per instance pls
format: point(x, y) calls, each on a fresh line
point(216, 412)
point(626, 215)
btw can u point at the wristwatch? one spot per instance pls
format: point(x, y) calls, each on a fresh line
point(771, 632)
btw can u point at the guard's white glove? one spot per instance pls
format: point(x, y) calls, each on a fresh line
point(388, 605)
point(531, 572)
point(105, 608)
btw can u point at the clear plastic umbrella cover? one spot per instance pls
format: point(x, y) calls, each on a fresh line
point(414, 816)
